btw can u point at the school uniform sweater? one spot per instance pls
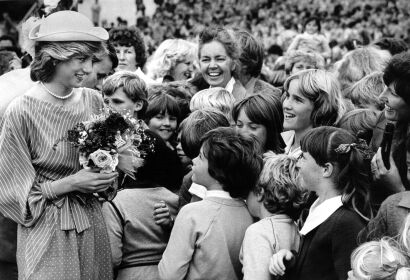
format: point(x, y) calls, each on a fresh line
point(205, 241)
point(325, 251)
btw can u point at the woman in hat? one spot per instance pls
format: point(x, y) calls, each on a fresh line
point(61, 231)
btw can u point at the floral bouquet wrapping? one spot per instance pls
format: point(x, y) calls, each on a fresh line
point(111, 141)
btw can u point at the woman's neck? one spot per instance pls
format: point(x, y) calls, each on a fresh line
point(58, 89)
point(298, 136)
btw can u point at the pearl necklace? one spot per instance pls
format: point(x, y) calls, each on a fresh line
point(58, 96)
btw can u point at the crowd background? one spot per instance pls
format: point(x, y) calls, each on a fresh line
point(274, 22)
point(270, 82)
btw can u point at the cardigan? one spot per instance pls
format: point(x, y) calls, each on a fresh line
point(262, 240)
point(325, 251)
point(136, 240)
point(205, 241)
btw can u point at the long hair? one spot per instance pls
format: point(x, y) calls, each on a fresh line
point(352, 175)
point(266, 110)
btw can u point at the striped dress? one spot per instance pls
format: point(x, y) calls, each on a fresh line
point(58, 237)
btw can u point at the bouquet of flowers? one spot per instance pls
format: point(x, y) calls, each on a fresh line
point(111, 140)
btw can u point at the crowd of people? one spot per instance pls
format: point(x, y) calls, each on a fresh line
point(259, 167)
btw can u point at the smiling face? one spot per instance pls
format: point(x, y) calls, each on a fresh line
point(126, 58)
point(215, 64)
point(311, 27)
point(297, 109)
point(164, 125)
point(183, 70)
point(246, 128)
point(73, 72)
point(396, 109)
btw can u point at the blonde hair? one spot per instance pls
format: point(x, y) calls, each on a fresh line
point(322, 89)
point(380, 260)
point(278, 179)
point(405, 235)
point(360, 62)
point(168, 54)
point(313, 58)
point(216, 97)
point(365, 92)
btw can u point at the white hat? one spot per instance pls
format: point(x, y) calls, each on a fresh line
point(67, 26)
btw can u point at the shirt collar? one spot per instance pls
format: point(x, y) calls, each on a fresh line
point(405, 200)
point(319, 213)
point(229, 85)
point(218, 193)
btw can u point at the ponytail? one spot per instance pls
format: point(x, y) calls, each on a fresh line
point(354, 178)
point(352, 157)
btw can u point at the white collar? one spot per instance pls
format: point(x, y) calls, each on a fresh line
point(319, 213)
point(198, 190)
point(289, 138)
point(229, 85)
point(144, 77)
point(218, 193)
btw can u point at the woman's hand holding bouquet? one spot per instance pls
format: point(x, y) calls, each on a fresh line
point(107, 142)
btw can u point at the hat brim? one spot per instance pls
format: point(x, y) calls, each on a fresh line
point(93, 34)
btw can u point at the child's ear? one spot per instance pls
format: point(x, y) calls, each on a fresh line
point(328, 170)
point(260, 195)
point(138, 106)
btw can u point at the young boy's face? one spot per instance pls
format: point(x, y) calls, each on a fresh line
point(200, 170)
point(120, 102)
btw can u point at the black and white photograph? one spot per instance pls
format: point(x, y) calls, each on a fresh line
point(204, 140)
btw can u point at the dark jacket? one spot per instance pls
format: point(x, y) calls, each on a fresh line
point(325, 251)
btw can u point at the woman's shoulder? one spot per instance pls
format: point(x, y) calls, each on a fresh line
point(22, 106)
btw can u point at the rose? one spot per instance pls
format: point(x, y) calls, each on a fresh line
point(104, 160)
point(84, 161)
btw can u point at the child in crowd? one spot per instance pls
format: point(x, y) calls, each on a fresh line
point(217, 98)
point(299, 60)
point(360, 122)
point(276, 200)
point(334, 165)
point(311, 40)
point(193, 128)
point(163, 116)
point(365, 92)
point(138, 238)
point(125, 92)
point(261, 116)
point(381, 260)
point(207, 235)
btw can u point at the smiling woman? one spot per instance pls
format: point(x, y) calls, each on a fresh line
point(172, 61)
point(218, 60)
point(396, 97)
point(62, 234)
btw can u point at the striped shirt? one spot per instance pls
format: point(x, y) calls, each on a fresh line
point(28, 165)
